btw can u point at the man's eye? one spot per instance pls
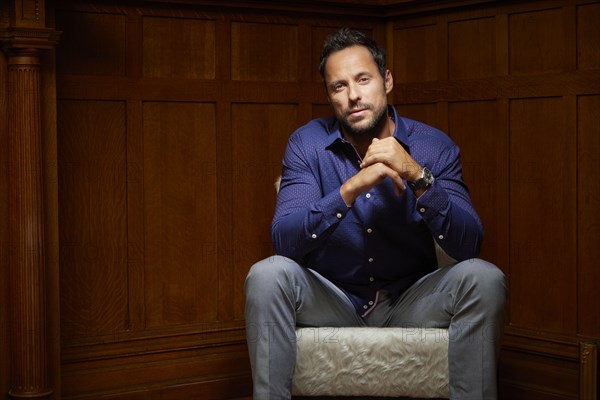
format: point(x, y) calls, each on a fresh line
point(338, 88)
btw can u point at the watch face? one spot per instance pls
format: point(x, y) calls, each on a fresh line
point(425, 181)
point(427, 176)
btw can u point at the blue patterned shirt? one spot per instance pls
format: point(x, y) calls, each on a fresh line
point(382, 241)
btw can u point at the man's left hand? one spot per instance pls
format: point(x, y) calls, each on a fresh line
point(390, 152)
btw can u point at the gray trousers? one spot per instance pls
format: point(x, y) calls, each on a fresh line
point(467, 298)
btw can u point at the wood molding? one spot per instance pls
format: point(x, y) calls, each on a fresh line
point(23, 26)
point(368, 8)
point(4, 14)
point(28, 13)
point(541, 343)
point(120, 347)
point(546, 85)
point(222, 371)
point(27, 38)
point(555, 366)
point(588, 373)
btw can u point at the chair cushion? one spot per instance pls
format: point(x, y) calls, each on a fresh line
point(371, 362)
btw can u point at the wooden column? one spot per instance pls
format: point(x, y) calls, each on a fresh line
point(28, 326)
point(23, 39)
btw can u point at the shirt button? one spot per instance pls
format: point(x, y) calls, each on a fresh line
point(372, 279)
point(371, 303)
point(422, 209)
point(365, 306)
point(314, 236)
point(339, 215)
point(369, 230)
point(441, 237)
point(368, 195)
point(371, 259)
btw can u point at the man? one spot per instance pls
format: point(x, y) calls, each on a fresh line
point(363, 196)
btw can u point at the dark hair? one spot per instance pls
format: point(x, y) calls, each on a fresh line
point(345, 38)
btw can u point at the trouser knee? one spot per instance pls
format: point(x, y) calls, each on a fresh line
point(270, 300)
point(487, 283)
point(268, 274)
point(485, 276)
point(484, 290)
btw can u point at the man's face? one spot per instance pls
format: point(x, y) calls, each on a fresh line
point(356, 90)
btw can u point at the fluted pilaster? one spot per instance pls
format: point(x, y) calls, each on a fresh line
point(23, 36)
point(28, 324)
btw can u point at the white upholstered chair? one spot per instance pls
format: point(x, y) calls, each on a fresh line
point(382, 362)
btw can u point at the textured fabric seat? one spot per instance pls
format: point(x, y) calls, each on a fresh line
point(386, 362)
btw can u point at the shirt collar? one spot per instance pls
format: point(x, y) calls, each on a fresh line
point(400, 130)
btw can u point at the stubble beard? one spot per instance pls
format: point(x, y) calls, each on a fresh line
point(368, 131)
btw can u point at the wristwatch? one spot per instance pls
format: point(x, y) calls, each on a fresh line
point(424, 182)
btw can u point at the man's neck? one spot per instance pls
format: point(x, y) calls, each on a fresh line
point(362, 142)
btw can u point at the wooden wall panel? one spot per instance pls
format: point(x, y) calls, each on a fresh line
point(588, 36)
point(172, 275)
point(537, 41)
point(264, 52)
point(321, 110)
point(93, 215)
point(92, 43)
point(543, 215)
point(472, 48)
point(588, 218)
point(416, 52)
point(516, 86)
point(178, 48)
point(181, 267)
point(206, 101)
point(261, 133)
point(531, 376)
point(476, 127)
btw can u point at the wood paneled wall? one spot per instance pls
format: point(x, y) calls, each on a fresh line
point(172, 117)
point(172, 122)
point(518, 88)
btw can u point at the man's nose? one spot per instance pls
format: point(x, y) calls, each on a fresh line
point(353, 92)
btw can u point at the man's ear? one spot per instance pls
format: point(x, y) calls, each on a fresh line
point(389, 81)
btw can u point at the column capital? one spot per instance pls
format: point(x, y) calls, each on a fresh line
point(16, 40)
point(23, 26)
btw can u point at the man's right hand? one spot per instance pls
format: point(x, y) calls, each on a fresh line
point(367, 178)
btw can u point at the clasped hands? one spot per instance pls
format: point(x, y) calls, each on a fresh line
point(384, 158)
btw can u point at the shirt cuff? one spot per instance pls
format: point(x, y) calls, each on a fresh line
point(334, 204)
point(331, 209)
point(433, 202)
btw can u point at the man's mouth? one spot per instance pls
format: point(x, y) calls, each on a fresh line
point(356, 111)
